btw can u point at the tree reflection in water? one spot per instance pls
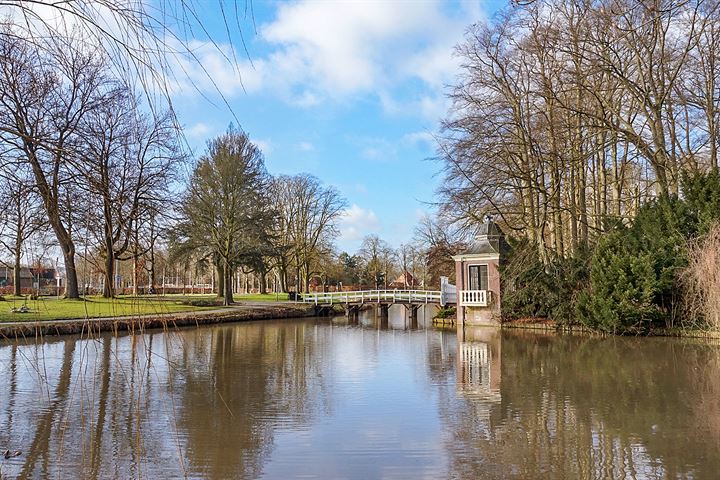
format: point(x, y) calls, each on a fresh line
point(584, 407)
point(195, 403)
point(359, 398)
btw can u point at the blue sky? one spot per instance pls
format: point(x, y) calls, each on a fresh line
point(350, 92)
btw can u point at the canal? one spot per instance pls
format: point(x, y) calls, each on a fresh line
point(359, 399)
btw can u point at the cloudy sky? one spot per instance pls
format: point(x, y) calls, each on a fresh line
point(350, 92)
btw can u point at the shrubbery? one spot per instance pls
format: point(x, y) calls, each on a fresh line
point(532, 289)
point(634, 271)
point(446, 312)
point(632, 282)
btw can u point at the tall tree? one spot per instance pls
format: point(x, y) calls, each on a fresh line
point(21, 217)
point(127, 164)
point(43, 101)
point(568, 116)
point(308, 215)
point(225, 205)
point(378, 259)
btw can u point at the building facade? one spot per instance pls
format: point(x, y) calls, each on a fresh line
point(478, 277)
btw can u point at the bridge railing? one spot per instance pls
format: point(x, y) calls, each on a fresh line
point(374, 296)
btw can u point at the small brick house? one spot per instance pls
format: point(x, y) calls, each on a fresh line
point(478, 277)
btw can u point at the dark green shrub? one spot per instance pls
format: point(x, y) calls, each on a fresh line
point(534, 290)
point(446, 312)
point(701, 192)
point(634, 271)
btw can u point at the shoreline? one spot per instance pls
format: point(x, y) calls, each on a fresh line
point(236, 313)
point(581, 329)
point(551, 326)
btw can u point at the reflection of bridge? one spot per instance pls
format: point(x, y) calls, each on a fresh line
point(443, 297)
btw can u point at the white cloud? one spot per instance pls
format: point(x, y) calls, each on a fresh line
point(306, 147)
point(336, 49)
point(356, 223)
point(199, 131)
point(339, 43)
point(421, 139)
point(265, 145)
point(208, 67)
point(320, 51)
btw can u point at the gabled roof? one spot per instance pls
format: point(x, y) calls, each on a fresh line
point(404, 279)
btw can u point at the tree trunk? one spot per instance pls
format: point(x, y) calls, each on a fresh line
point(263, 283)
point(153, 279)
point(282, 278)
point(227, 285)
point(136, 277)
point(220, 280)
point(108, 288)
point(17, 291)
point(71, 280)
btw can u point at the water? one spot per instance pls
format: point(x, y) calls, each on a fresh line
point(364, 398)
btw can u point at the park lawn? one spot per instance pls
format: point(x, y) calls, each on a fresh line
point(93, 307)
point(265, 297)
point(252, 297)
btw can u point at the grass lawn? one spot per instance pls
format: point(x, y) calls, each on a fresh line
point(266, 297)
point(52, 308)
point(252, 297)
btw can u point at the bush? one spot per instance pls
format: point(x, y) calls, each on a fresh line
point(701, 192)
point(701, 280)
point(634, 272)
point(633, 282)
point(534, 290)
point(201, 302)
point(446, 312)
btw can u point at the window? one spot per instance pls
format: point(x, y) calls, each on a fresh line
point(478, 277)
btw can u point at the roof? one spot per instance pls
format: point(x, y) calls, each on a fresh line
point(405, 279)
point(488, 239)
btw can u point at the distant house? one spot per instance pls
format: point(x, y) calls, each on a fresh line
point(43, 276)
point(406, 280)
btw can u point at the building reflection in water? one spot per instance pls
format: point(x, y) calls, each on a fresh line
point(479, 364)
point(359, 401)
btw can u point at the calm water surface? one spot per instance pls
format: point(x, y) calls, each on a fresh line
point(366, 398)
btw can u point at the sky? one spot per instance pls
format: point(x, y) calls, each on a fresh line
point(350, 92)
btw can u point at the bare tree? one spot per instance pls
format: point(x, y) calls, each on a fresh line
point(43, 100)
point(126, 165)
point(21, 217)
point(440, 241)
point(570, 114)
point(308, 215)
point(378, 258)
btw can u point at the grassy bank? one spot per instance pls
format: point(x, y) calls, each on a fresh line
point(52, 308)
point(91, 307)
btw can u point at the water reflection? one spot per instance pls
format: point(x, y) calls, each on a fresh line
point(395, 317)
point(479, 363)
point(579, 407)
point(368, 396)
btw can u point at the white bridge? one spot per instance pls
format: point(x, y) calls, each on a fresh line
point(446, 296)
